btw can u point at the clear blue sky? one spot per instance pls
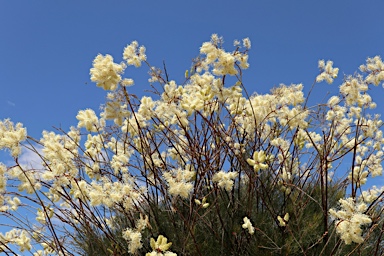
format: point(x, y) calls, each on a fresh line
point(47, 47)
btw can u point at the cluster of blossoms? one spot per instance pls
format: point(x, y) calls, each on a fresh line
point(106, 73)
point(11, 136)
point(7, 203)
point(258, 161)
point(160, 247)
point(328, 72)
point(349, 220)
point(375, 70)
point(204, 203)
point(248, 225)
point(283, 221)
point(17, 237)
point(134, 236)
point(225, 179)
point(223, 62)
point(179, 182)
point(88, 119)
point(134, 54)
point(156, 156)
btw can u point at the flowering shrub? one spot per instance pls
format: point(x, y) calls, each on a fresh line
point(201, 164)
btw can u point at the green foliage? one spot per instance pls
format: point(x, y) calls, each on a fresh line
point(216, 230)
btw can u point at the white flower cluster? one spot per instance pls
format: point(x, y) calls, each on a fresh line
point(11, 136)
point(283, 221)
point(18, 237)
point(106, 73)
point(368, 196)
point(328, 72)
point(225, 179)
point(160, 247)
point(134, 239)
point(258, 161)
point(349, 220)
point(354, 89)
point(248, 225)
point(375, 70)
point(29, 181)
point(88, 119)
point(60, 152)
point(260, 112)
point(134, 54)
point(133, 236)
point(223, 62)
point(3, 178)
point(111, 193)
point(179, 181)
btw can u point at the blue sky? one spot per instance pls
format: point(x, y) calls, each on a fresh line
point(47, 47)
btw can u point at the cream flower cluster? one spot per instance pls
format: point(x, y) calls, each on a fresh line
point(375, 70)
point(260, 112)
point(29, 181)
point(354, 89)
point(111, 193)
point(248, 225)
point(134, 124)
point(42, 214)
point(106, 73)
point(370, 195)
point(349, 220)
point(134, 239)
point(3, 178)
point(203, 203)
point(8, 203)
point(179, 181)
point(17, 237)
point(223, 62)
point(88, 119)
point(134, 54)
point(114, 110)
point(283, 221)
point(366, 164)
point(11, 136)
point(121, 156)
point(94, 146)
point(258, 161)
point(328, 72)
point(59, 153)
point(133, 236)
point(160, 247)
point(225, 179)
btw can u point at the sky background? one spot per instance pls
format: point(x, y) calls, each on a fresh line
point(47, 47)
